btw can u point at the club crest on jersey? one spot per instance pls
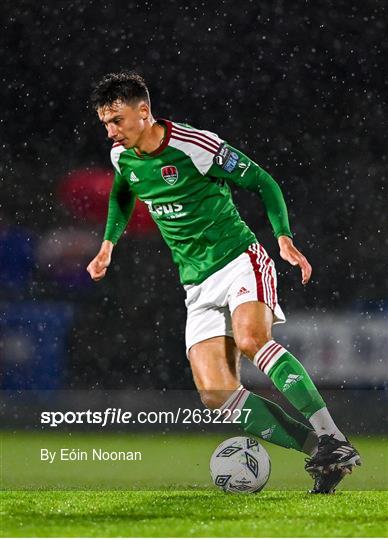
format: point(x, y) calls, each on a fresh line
point(169, 174)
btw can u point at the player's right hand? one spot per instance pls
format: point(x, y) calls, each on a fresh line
point(98, 266)
point(289, 253)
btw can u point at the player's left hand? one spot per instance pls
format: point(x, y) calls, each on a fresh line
point(289, 253)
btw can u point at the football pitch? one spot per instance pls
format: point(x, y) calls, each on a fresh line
point(170, 493)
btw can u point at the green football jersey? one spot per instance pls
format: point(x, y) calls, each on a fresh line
point(185, 184)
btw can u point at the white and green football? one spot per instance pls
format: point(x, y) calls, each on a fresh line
point(240, 465)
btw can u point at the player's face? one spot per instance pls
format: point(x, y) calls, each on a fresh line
point(124, 123)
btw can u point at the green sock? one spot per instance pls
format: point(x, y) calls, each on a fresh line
point(290, 378)
point(269, 422)
point(261, 417)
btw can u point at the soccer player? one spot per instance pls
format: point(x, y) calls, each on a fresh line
point(183, 175)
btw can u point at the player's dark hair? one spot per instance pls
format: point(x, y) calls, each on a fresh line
point(126, 86)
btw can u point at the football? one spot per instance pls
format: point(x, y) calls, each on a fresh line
point(240, 465)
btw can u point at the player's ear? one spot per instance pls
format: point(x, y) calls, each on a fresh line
point(144, 110)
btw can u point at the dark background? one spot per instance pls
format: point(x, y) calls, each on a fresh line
point(300, 87)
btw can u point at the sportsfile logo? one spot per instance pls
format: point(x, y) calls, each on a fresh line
point(291, 380)
point(113, 415)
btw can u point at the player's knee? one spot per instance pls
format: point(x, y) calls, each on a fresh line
point(212, 399)
point(251, 343)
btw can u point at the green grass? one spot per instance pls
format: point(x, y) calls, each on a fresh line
point(193, 513)
point(169, 492)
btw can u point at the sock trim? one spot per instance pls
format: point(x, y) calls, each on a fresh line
point(261, 351)
point(236, 400)
point(323, 424)
point(268, 355)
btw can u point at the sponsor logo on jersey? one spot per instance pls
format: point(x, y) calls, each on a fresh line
point(231, 163)
point(226, 159)
point(170, 210)
point(133, 177)
point(169, 174)
point(221, 155)
point(246, 167)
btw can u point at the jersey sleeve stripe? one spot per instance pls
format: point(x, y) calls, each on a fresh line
point(204, 132)
point(197, 135)
point(193, 141)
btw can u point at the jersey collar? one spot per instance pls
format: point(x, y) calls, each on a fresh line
point(167, 136)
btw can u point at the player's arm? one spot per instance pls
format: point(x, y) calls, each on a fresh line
point(121, 204)
point(232, 165)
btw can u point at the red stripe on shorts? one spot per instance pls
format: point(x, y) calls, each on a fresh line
point(262, 260)
point(271, 279)
point(258, 276)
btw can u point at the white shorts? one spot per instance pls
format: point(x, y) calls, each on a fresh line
point(210, 305)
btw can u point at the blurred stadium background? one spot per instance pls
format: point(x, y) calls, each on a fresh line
point(300, 88)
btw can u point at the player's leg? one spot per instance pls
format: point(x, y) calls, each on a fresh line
point(252, 324)
point(252, 328)
point(252, 300)
point(215, 367)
